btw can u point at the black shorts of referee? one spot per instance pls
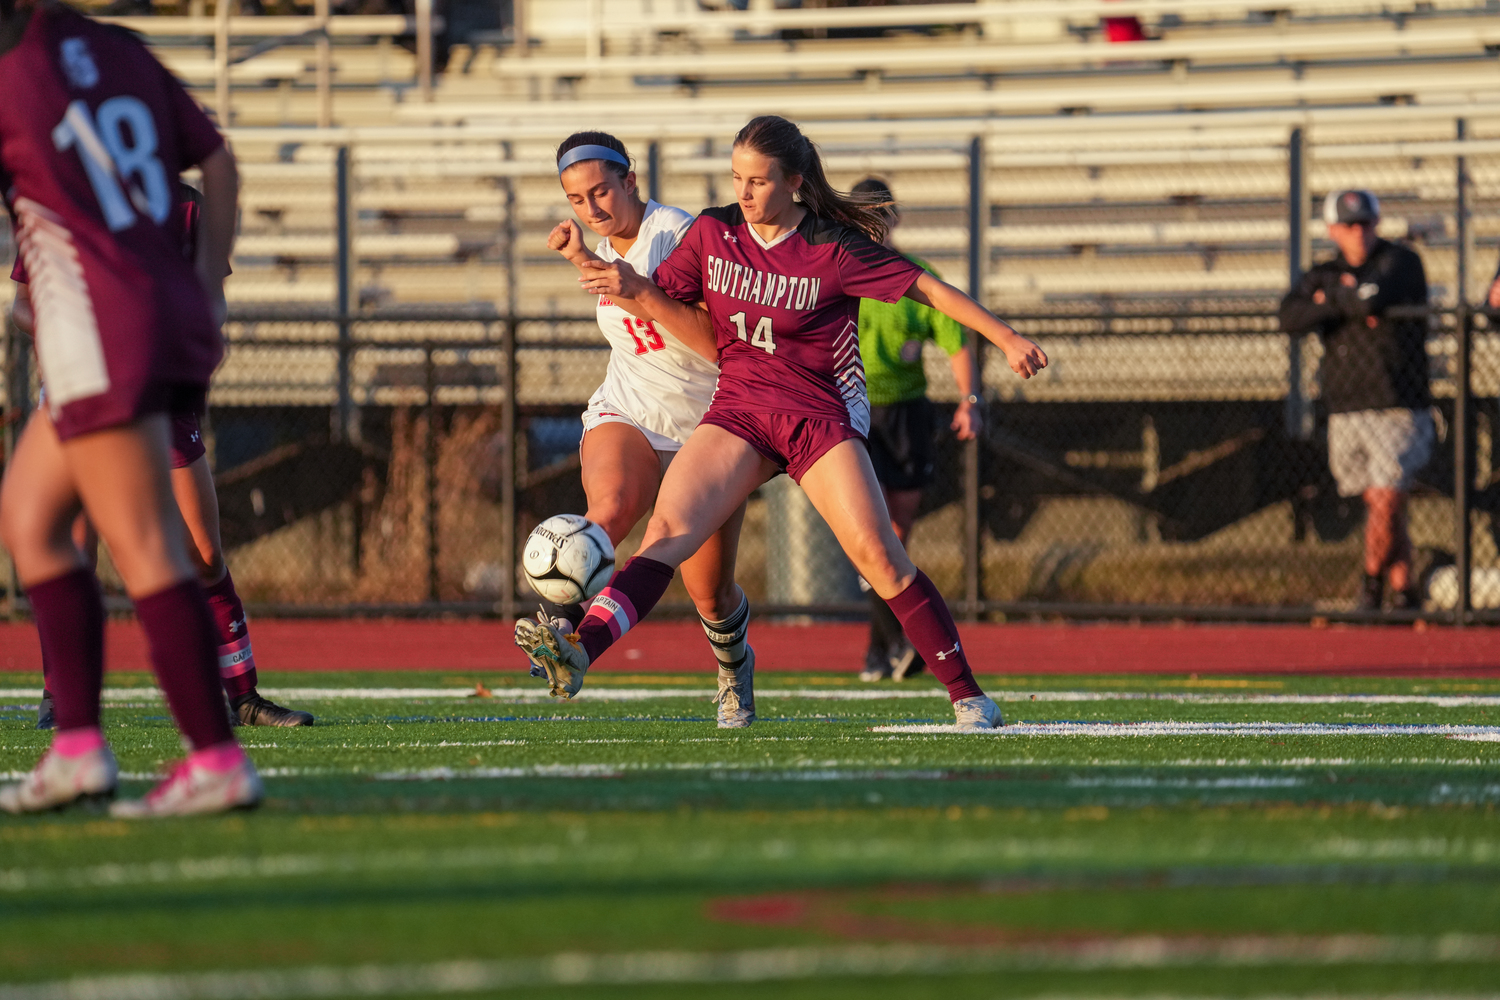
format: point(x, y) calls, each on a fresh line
point(901, 443)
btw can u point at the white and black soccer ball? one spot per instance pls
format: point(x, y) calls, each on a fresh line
point(568, 559)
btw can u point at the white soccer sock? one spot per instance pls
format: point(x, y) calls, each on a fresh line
point(728, 636)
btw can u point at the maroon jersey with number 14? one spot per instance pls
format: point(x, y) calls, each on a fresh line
point(89, 161)
point(786, 314)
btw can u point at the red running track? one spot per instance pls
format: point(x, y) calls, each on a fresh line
point(459, 646)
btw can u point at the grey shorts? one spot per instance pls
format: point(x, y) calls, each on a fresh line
point(1378, 449)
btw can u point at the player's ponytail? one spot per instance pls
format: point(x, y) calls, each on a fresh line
point(775, 137)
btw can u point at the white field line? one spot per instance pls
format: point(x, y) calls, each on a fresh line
point(1201, 729)
point(765, 965)
point(536, 695)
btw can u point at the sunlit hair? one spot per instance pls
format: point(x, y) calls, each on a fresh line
point(592, 139)
point(879, 194)
point(778, 139)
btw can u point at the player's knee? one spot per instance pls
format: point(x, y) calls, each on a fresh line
point(208, 562)
point(615, 514)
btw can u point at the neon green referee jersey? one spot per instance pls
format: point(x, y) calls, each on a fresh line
point(891, 336)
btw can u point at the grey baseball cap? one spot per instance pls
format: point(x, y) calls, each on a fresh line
point(1351, 206)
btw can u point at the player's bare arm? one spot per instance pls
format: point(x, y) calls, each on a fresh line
point(567, 239)
point(968, 420)
point(221, 195)
point(1024, 356)
point(640, 296)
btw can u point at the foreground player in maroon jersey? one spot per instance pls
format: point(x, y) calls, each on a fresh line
point(193, 488)
point(126, 335)
point(776, 281)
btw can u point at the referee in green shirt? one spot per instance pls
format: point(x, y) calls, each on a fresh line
point(903, 425)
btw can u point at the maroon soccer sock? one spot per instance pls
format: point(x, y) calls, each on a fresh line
point(930, 627)
point(69, 612)
point(181, 634)
point(629, 597)
point(236, 659)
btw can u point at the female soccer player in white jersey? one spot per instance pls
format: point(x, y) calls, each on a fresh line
point(656, 390)
point(777, 279)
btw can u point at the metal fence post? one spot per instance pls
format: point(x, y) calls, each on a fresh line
point(424, 50)
point(508, 485)
point(1298, 413)
point(221, 62)
point(653, 166)
point(429, 463)
point(979, 221)
point(323, 76)
point(1462, 401)
point(509, 502)
point(344, 266)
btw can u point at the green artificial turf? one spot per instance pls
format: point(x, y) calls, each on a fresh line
point(494, 826)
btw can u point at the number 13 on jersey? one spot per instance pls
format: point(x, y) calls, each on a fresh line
point(759, 337)
point(643, 331)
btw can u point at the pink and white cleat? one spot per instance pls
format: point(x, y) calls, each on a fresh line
point(59, 781)
point(193, 788)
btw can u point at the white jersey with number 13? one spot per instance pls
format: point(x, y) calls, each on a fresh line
point(654, 379)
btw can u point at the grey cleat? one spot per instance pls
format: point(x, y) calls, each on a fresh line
point(46, 715)
point(253, 710)
point(561, 659)
point(978, 712)
point(877, 667)
point(736, 697)
point(59, 781)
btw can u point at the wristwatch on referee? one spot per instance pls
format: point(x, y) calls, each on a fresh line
point(973, 400)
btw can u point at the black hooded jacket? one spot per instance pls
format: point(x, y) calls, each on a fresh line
point(1366, 367)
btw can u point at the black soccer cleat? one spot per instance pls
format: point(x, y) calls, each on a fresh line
point(46, 717)
point(253, 710)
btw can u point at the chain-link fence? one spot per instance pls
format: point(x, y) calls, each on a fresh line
point(407, 365)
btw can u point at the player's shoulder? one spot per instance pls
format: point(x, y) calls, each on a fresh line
point(670, 217)
point(816, 230)
point(727, 215)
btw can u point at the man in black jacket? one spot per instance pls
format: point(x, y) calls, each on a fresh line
point(1375, 386)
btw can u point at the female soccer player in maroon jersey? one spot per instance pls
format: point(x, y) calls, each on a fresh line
point(777, 279)
point(126, 335)
point(193, 488)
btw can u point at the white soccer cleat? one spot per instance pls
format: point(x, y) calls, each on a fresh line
point(59, 781)
point(736, 697)
point(978, 712)
point(556, 652)
point(192, 790)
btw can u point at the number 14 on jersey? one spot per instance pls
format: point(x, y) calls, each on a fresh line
point(759, 337)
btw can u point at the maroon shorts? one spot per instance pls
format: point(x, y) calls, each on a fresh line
point(794, 443)
point(187, 440)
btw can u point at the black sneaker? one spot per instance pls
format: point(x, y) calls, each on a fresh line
point(253, 710)
point(46, 718)
point(906, 662)
point(1409, 599)
point(1371, 593)
point(877, 666)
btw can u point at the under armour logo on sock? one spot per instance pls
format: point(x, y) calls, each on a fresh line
point(948, 652)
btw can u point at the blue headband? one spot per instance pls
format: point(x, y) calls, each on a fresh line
point(578, 153)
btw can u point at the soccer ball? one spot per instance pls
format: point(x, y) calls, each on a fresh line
point(568, 559)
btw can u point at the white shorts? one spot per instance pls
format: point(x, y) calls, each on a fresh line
point(1378, 449)
point(602, 411)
